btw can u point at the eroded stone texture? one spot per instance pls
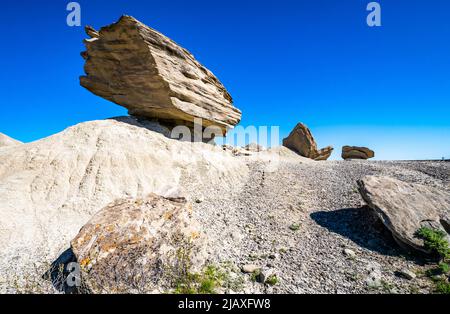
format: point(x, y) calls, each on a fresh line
point(355, 152)
point(301, 141)
point(139, 245)
point(406, 207)
point(142, 70)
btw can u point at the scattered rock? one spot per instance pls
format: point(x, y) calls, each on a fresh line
point(355, 152)
point(301, 141)
point(374, 278)
point(7, 141)
point(405, 207)
point(142, 70)
point(349, 253)
point(294, 227)
point(250, 268)
point(407, 274)
point(134, 244)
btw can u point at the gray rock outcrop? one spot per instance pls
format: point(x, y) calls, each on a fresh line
point(406, 207)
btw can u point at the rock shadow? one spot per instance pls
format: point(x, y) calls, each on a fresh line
point(362, 227)
point(64, 273)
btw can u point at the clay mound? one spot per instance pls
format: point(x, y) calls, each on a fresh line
point(50, 188)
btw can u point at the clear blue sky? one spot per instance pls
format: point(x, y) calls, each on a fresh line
point(283, 62)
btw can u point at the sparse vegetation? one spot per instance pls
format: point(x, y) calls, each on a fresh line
point(434, 240)
point(272, 280)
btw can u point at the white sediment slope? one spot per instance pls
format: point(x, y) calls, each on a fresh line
point(7, 141)
point(50, 188)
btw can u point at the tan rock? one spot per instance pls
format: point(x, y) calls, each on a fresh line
point(355, 152)
point(301, 141)
point(406, 207)
point(142, 70)
point(139, 245)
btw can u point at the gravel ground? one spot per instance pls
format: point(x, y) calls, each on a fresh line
point(339, 247)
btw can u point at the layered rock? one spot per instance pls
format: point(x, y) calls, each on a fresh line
point(139, 245)
point(302, 142)
point(406, 207)
point(7, 141)
point(355, 152)
point(142, 70)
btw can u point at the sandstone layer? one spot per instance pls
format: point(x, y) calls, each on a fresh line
point(136, 245)
point(142, 70)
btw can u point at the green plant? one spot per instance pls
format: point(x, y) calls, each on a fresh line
point(272, 280)
point(444, 268)
point(434, 240)
point(443, 287)
point(294, 227)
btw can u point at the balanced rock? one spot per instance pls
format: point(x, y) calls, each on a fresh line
point(301, 141)
point(138, 245)
point(355, 152)
point(142, 70)
point(7, 141)
point(406, 207)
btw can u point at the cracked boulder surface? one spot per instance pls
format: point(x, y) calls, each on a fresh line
point(405, 207)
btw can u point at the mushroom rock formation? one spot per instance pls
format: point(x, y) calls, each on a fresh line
point(142, 70)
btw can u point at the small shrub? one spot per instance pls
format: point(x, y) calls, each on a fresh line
point(434, 240)
point(443, 287)
point(272, 280)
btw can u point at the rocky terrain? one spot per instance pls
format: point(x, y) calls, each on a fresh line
point(137, 209)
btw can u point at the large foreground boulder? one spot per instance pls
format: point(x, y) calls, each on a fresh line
point(142, 70)
point(5, 140)
point(406, 207)
point(301, 141)
point(355, 152)
point(139, 246)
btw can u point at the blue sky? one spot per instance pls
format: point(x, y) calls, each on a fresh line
point(282, 61)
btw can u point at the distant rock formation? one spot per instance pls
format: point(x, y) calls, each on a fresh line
point(406, 207)
point(142, 70)
point(137, 245)
point(355, 152)
point(302, 142)
point(7, 141)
